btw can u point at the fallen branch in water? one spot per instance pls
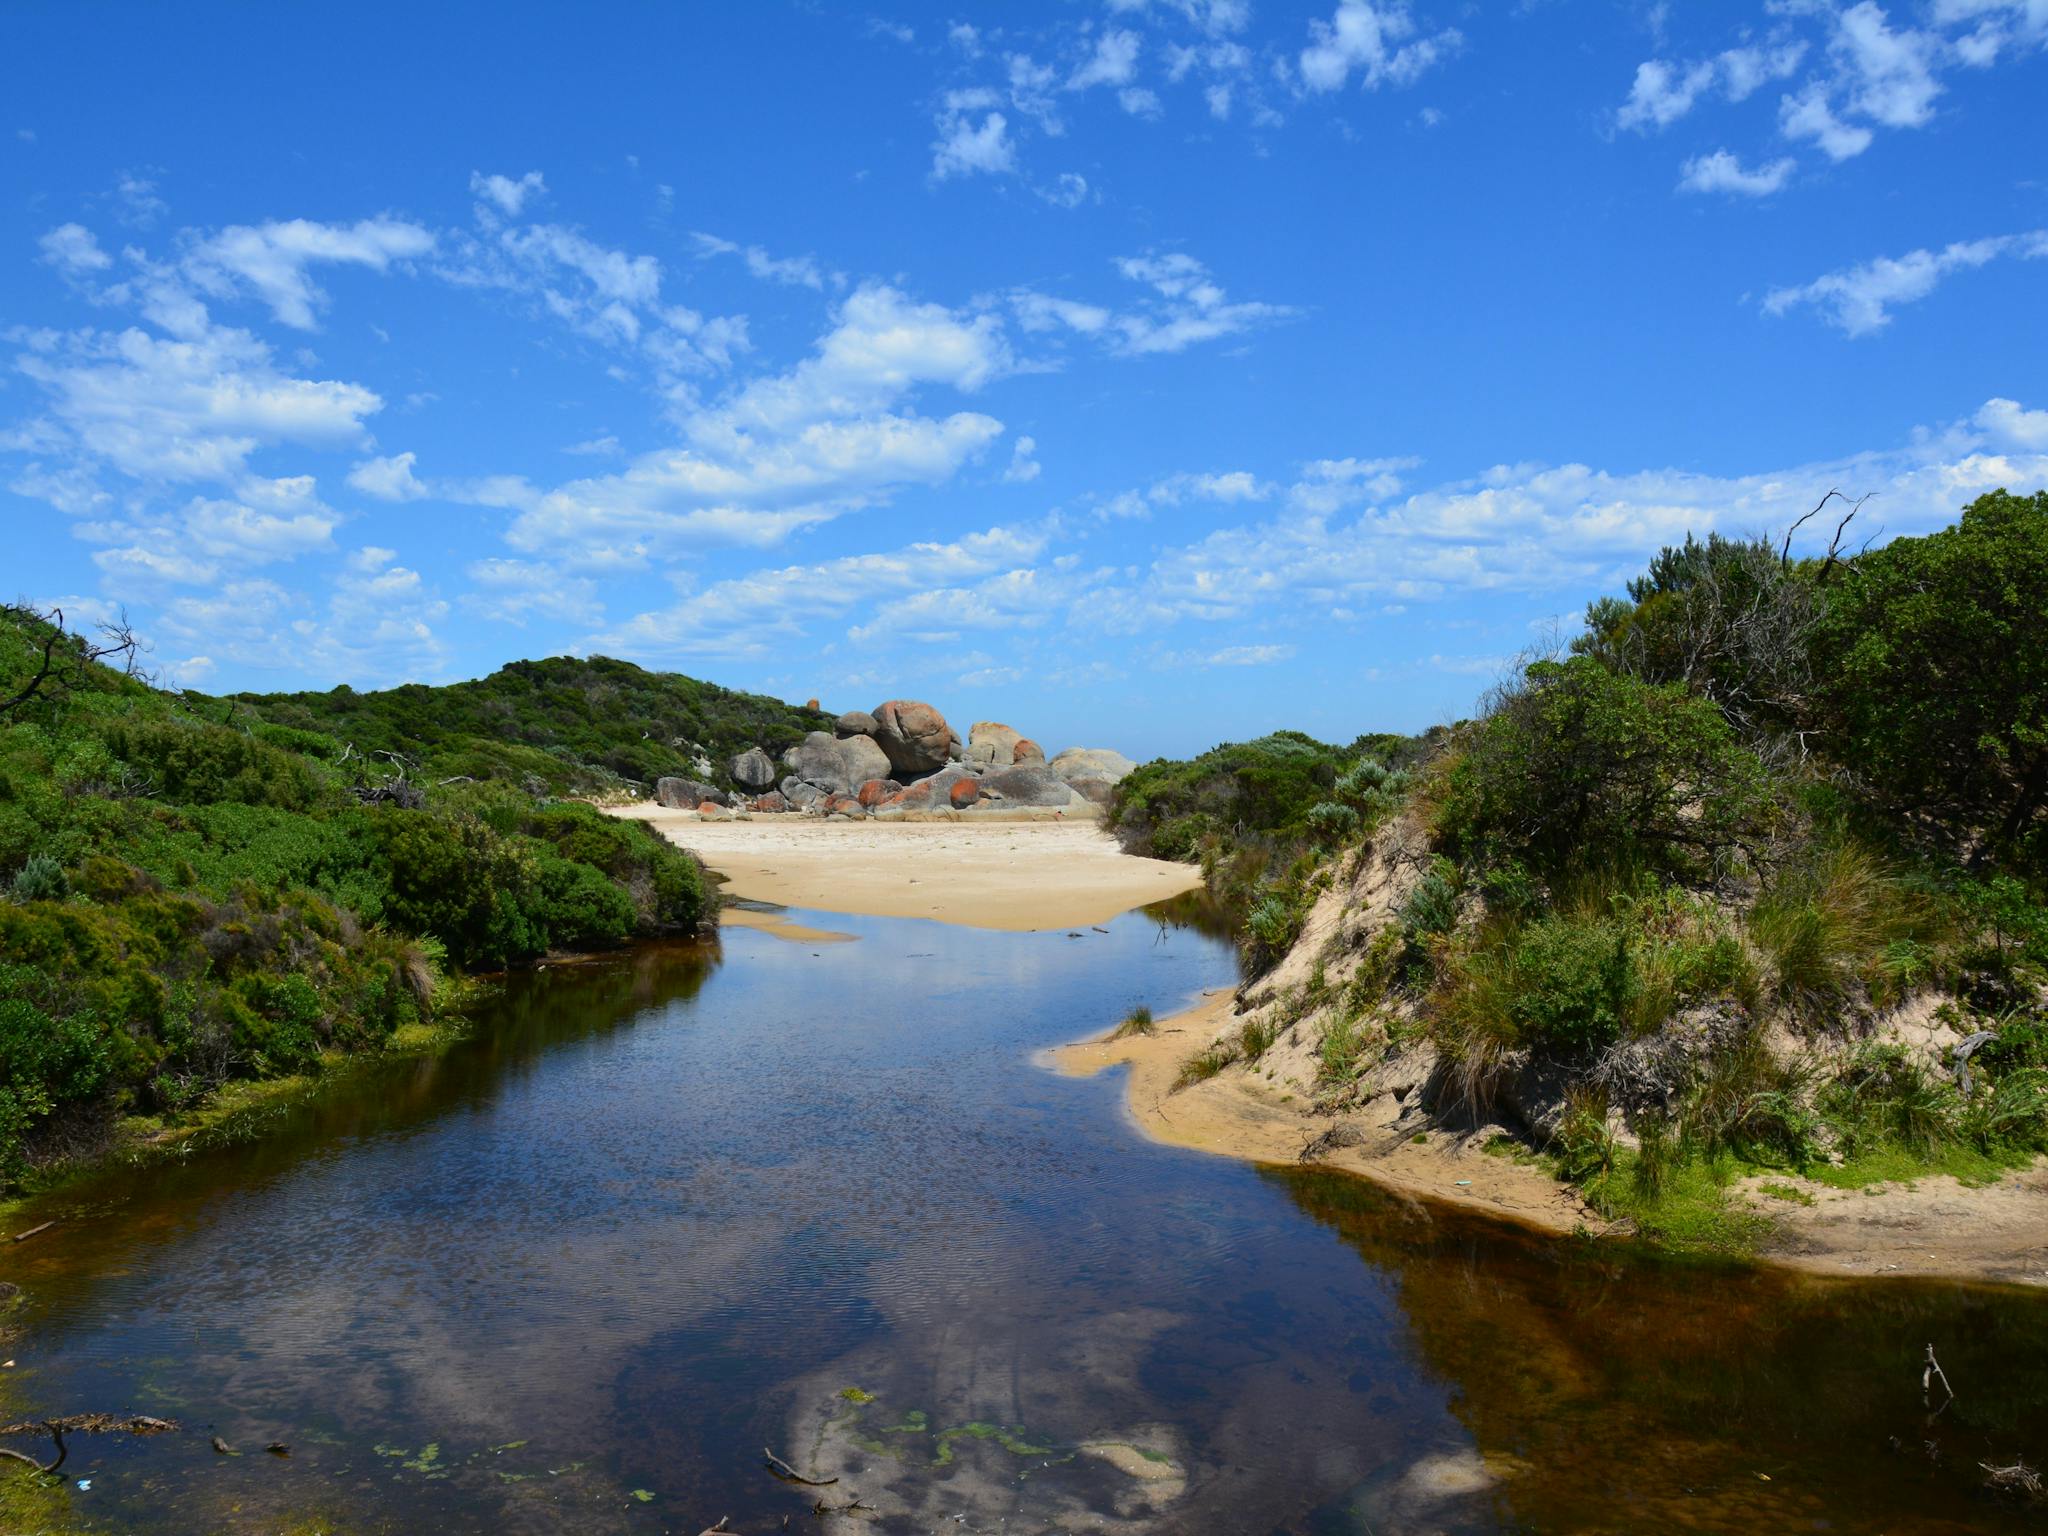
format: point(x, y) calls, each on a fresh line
point(1930, 1373)
point(22, 1237)
point(79, 1423)
point(2019, 1479)
point(789, 1474)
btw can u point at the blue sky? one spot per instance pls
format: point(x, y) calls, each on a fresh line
point(1145, 374)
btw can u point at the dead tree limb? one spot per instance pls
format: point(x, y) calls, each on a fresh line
point(1785, 554)
point(79, 1423)
point(789, 1474)
point(1931, 1372)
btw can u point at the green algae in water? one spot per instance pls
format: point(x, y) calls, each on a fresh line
point(914, 1423)
point(855, 1395)
point(1008, 1436)
point(643, 1495)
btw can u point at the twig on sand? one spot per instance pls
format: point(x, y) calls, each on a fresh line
point(789, 1474)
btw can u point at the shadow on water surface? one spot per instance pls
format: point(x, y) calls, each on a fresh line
point(670, 1207)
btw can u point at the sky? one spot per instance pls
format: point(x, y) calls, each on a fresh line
point(1144, 373)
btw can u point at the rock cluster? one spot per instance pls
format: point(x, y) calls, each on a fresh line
point(903, 759)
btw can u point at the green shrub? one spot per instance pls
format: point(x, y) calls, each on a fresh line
point(1581, 767)
point(1137, 1022)
point(42, 878)
point(1829, 923)
point(1884, 1098)
point(1330, 822)
point(1575, 982)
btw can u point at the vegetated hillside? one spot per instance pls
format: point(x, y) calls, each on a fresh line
point(575, 725)
point(1740, 883)
point(190, 897)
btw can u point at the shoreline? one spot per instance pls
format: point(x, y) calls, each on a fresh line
point(1021, 874)
point(1931, 1228)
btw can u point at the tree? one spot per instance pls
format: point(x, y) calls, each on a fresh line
point(1580, 767)
point(1934, 658)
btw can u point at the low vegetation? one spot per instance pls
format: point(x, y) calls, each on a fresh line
point(191, 897)
point(1696, 896)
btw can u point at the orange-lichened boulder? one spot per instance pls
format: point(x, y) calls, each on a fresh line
point(963, 794)
point(1028, 753)
point(914, 735)
point(875, 791)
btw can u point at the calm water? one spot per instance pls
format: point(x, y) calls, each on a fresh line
point(676, 1207)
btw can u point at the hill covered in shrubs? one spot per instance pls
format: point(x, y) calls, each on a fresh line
point(1749, 878)
point(572, 725)
point(195, 892)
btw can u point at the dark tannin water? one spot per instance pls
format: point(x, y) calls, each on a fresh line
point(675, 1207)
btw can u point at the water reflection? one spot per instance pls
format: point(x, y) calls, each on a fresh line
point(671, 1207)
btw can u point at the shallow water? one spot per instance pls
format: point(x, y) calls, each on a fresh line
point(677, 1206)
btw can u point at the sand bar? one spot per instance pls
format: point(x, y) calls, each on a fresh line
point(1016, 875)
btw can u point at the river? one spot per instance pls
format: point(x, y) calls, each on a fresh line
point(670, 1208)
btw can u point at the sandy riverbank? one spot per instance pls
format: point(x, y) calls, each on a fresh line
point(1018, 875)
point(1932, 1227)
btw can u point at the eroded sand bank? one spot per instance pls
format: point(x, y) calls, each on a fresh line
point(1018, 875)
point(1930, 1227)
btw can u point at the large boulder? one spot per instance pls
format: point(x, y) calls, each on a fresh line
point(1077, 765)
point(752, 769)
point(875, 791)
point(991, 742)
point(855, 722)
point(862, 759)
point(963, 793)
point(800, 795)
point(685, 794)
point(772, 802)
point(1028, 785)
point(1028, 751)
point(817, 760)
point(915, 735)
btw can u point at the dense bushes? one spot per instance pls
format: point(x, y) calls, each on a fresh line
point(1581, 767)
point(184, 902)
point(575, 725)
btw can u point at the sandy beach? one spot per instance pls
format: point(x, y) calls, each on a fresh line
point(1017, 875)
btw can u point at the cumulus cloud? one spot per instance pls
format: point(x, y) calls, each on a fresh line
point(1859, 300)
point(1663, 91)
point(1024, 465)
point(388, 479)
point(272, 260)
point(973, 140)
point(73, 250)
point(1113, 62)
point(1723, 172)
point(1380, 43)
point(505, 193)
point(799, 447)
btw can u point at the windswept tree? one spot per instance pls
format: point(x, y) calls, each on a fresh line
point(1933, 658)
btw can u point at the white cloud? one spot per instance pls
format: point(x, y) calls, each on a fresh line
point(287, 522)
point(966, 147)
point(1859, 299)
point(1113, 62)
point(1723, 172)
point(1249, 655)
point(505, 193)
point(513, 591)
point(1663, 92)
point(798, 271)
point(761, 613)
point(2013, 426)
point(1890, 72)
point(1189, 307)
point(272, 259)
point(1069, 191)
point(72, 250)
point(796, 448)
point(192, 409)
point(1024, 465)
point(1808, 116)
point(1377, 41)
point(388, 479)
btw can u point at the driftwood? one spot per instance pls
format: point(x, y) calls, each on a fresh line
point(22, 1237)
point(1931, 1372)
point(79, 1423)
point(2018, 1480)
point(782, 1469)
